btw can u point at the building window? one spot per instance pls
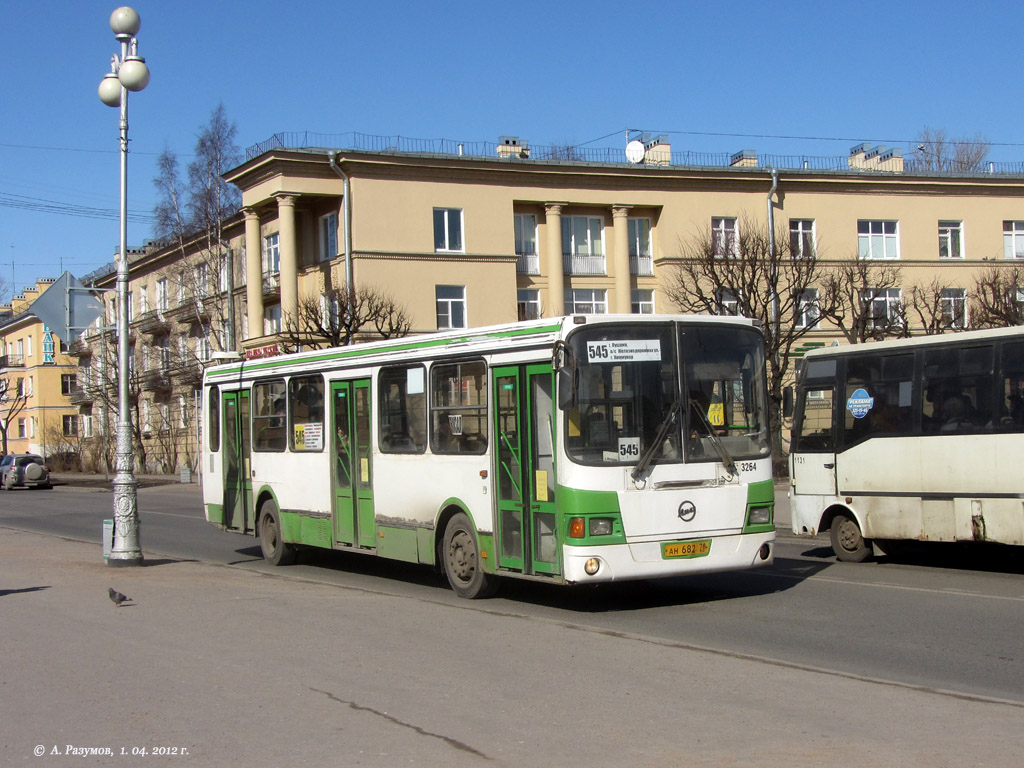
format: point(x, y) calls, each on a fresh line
point(22, 433)
point(328, 236)
point(883, 307)
point(807, 313)
point(953, 306)
point(583, 245)
point(204, 349)
point(728, 303)
point(202, 278)
point(86, 425)
point(528, 262)
point(725, 240)
point(30, 345)
point(69, 425)
point(451, 306)
point(878, 240)
point(161, 294)
point(68, 381)
point(143, 300)
point(586, 301)
point(448, 229)
point(271, 319)
point(801, 239)
point(951, 239)
point(641, 261)
point(643, 302)
point(1013, 239)
point(528, 304)
point(271, 254)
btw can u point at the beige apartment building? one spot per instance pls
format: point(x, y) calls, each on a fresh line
point(37, 379)
point(467, 235)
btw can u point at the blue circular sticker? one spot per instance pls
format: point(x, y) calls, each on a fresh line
point(860, 403)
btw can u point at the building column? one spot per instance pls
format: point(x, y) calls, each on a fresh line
point(623, 290)
point(289, 261)
point(555, 305)
point(253, 272)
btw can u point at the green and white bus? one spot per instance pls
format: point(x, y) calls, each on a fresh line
point(573, 450)
point(911, 439)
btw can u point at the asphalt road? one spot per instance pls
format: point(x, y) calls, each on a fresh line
point(941, 620)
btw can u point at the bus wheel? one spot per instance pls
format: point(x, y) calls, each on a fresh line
point(847, 541)
point(461, 558)
point(275, 550)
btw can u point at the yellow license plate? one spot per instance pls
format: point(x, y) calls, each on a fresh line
point(697, 548)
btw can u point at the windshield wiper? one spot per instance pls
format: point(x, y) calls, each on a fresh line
point(659, 438)
point(716, 441)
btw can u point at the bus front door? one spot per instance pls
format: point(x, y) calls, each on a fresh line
point(813, 467)
point(524, 432)
point(237, 476)
point(353, 487)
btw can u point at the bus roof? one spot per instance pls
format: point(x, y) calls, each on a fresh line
point(960, 337)
point(538, 334)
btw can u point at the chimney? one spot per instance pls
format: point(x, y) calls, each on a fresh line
point(657, 150)
point(745, 158)
point(891, 160)
point(856, 158)
point(510, 146)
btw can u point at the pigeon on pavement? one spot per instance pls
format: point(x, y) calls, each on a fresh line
point(117, 597)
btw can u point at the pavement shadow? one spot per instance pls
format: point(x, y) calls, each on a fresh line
point(956, 555)
point(6, 592)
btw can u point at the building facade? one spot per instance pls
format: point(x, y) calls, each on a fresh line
point(461, 236)
point(37, 379)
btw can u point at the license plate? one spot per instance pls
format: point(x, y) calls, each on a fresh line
point(697, 548)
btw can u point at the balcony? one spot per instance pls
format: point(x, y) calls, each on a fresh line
point(272, 284)
point(80, 396)
point(11, 361)
point(155, 380)
point(642, 265)
point(527, 264)
point(152, 322)
point(79, 348)
point(583, 264)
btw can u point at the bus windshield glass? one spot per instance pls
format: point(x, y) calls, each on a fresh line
point(635, 399)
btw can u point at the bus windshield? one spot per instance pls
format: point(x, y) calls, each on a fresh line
point(641, 389)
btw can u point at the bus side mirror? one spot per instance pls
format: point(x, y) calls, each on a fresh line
point(787, 403)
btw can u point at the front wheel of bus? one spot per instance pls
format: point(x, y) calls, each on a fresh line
point(461, 558)
point(847, 541)
point(275, 550)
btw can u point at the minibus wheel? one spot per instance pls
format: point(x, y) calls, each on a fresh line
point(461, 559)
point(275, 550)
point(847, 541)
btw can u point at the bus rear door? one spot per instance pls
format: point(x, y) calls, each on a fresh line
point(353, 486)
point(237, 473)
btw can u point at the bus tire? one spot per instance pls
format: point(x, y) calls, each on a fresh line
point(460, 557)
point(275, 550)
point(847, 541)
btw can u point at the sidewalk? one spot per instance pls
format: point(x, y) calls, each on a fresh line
point(223, 666)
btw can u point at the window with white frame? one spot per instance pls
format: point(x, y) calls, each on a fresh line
point(878, 239)
point(165, 416)
point(31, 390)
point(112, 312)
point(451, 306)
point(29, 345)
point(182, 290)
point(69, 425)
point(528, 303)
point(86, 425)
point(953, 307)
point(182, 412)
point(271, 319)
point(223, 273)
point(161, 294)
point(147, 416)
point(143, 299)
point(328, 230)
point(725, 236)
point(1013, 239)
point(204, 350)
point(641, 260)
point(271, 257)
point(806, 309)
point(583, 245)
point(163, 350)
point(201, 275)
point(951, 239)
point(68, 382)
point(883, 306)
point(643, 302)
point(22, 428)
point(528, 261)
point(448, 229)
point(728, 303)
point(586, 301)
point(801, 239)
point(330, 311)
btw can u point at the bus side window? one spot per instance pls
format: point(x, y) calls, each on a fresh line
point(815, 431)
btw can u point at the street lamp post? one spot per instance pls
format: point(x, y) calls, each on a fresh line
point(128, 73)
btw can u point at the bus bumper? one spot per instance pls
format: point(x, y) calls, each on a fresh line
point(626, 562)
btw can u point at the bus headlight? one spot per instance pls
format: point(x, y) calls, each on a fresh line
point(600, 526)
point(759, 516)
point(592, 566)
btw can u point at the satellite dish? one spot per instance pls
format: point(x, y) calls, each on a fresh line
point(635, 151)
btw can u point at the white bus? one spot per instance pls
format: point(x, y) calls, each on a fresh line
point(910, 439)
point(572, 450)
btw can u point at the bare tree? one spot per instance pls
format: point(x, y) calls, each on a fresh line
point(937, 310)
point(336, 318)
point(865, 300)
point(997, 297)
point(12, 402)
point(935, 151)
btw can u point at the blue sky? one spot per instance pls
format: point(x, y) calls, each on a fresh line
point(787, 78)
